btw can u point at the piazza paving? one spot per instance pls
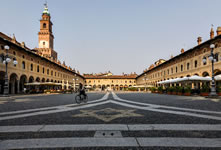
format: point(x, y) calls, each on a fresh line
point(125, 120)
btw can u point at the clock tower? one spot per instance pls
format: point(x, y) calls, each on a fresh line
point(45, 36)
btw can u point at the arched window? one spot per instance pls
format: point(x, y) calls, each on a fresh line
point(181, 67)
point(216, 56)
point(31, 67)
point(23, 65)
point(188, 66)
point(37, 68)
point(204, 63)
point(44, 25)
point(43, 43)
point(195, 63)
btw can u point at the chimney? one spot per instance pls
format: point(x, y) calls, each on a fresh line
point(199, 40)
point(182, 51)
point(211, 33)
point(218, 31)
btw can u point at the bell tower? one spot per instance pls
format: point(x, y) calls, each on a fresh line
point(45, 36)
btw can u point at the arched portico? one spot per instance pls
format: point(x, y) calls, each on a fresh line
point(13, 84)
point(31, 79)
point(23, 80)
point(37, 79)
point(2, 81)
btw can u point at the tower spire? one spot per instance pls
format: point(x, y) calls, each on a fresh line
point(46, 9)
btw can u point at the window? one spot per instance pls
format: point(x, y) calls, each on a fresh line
point(181, 67)
point(31, 67)
point(216, 56)
point(51, 73)
point(14, 53)
point(43, 70)
point(23, 65)
point(23, 56)
point(171, 70)
point(195, 63)
point(204, 63)
point(188, 66)
point(37, 68)
point(168, 71)
point(176, 69)
point(43, 43)
point(44, 25)
point(48, 71)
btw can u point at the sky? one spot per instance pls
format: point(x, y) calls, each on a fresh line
point(127, 36)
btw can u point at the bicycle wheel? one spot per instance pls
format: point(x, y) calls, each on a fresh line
point(86, 99)
point(78, 99)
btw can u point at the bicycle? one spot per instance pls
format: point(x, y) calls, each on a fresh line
point(81, 98)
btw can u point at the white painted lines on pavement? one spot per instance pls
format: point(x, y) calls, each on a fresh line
point(111, 127)
point(52, 111)
point(127, 103)
point(46, 110)
point(68, 142)
point(175, 127)
point(168, 111)
point(180, 142)
point(155, 108)
point(163, 106)
point(111, 142)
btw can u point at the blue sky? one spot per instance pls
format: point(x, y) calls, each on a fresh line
point(117, 35)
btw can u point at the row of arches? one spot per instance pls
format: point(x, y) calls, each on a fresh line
point(17, 85)
point(110, 87)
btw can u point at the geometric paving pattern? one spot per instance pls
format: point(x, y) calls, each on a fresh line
point(108, 114)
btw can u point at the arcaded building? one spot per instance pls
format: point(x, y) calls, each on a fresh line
point(37, 66)
point(109, 81)
point(187, 63)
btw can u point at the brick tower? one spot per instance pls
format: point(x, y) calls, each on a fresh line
point(45, 36)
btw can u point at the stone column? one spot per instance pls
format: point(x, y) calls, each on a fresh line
point(13, 88)
point(18, 87)
point(62, 85)
point(67, 85)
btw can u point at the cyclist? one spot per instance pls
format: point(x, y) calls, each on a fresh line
point(82, 90)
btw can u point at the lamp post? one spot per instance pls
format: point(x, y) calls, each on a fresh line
point(75, 79)
point(145, 79)
point(212, 59)
point(6, 59)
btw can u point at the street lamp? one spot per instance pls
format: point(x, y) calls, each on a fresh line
point(212, 59)
point(145, 79)
point(6, 59)
point(74, 80)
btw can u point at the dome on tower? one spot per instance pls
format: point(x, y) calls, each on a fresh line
point(46, 10)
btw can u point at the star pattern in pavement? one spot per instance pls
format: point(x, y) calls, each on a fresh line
point(108, 114)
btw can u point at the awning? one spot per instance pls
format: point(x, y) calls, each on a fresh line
point(218, 77)
point(192, 78)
